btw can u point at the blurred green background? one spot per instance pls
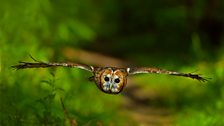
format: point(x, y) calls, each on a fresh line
point(186, 36)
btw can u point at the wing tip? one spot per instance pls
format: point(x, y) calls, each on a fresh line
point(199, 78)
point(17, 67)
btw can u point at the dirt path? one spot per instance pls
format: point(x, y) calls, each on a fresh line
point(138, 106)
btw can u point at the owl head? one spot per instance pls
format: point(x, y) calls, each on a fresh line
point(110, 80)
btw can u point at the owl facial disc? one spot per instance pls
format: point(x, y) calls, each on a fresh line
point(111, 80)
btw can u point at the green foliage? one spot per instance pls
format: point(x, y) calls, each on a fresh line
point(206, 116)
point(172, 35)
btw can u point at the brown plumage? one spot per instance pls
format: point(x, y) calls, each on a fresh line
point(110, 80)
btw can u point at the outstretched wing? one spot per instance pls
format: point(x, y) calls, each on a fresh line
point(162, 71)
point(40, 64)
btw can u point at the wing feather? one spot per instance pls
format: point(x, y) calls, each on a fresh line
point(39, 64)
point(163, 71)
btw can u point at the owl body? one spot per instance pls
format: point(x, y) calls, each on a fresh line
point(110, 80)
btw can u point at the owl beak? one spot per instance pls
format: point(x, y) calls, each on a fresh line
point(111, 84)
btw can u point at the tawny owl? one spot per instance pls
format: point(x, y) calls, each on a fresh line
point(111, 80)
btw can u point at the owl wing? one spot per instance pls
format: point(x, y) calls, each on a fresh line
point(163, 71)
point(40, 64)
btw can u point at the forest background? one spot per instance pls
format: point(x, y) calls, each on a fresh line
point(186, 36)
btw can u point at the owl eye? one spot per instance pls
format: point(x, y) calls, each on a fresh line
point(106, 78)
point(117, 80)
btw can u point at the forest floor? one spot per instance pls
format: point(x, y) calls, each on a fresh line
point(144, 112)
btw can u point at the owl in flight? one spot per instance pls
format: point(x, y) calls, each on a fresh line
point(110, 80)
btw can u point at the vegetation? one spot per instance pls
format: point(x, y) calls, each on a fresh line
point(185, 36)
